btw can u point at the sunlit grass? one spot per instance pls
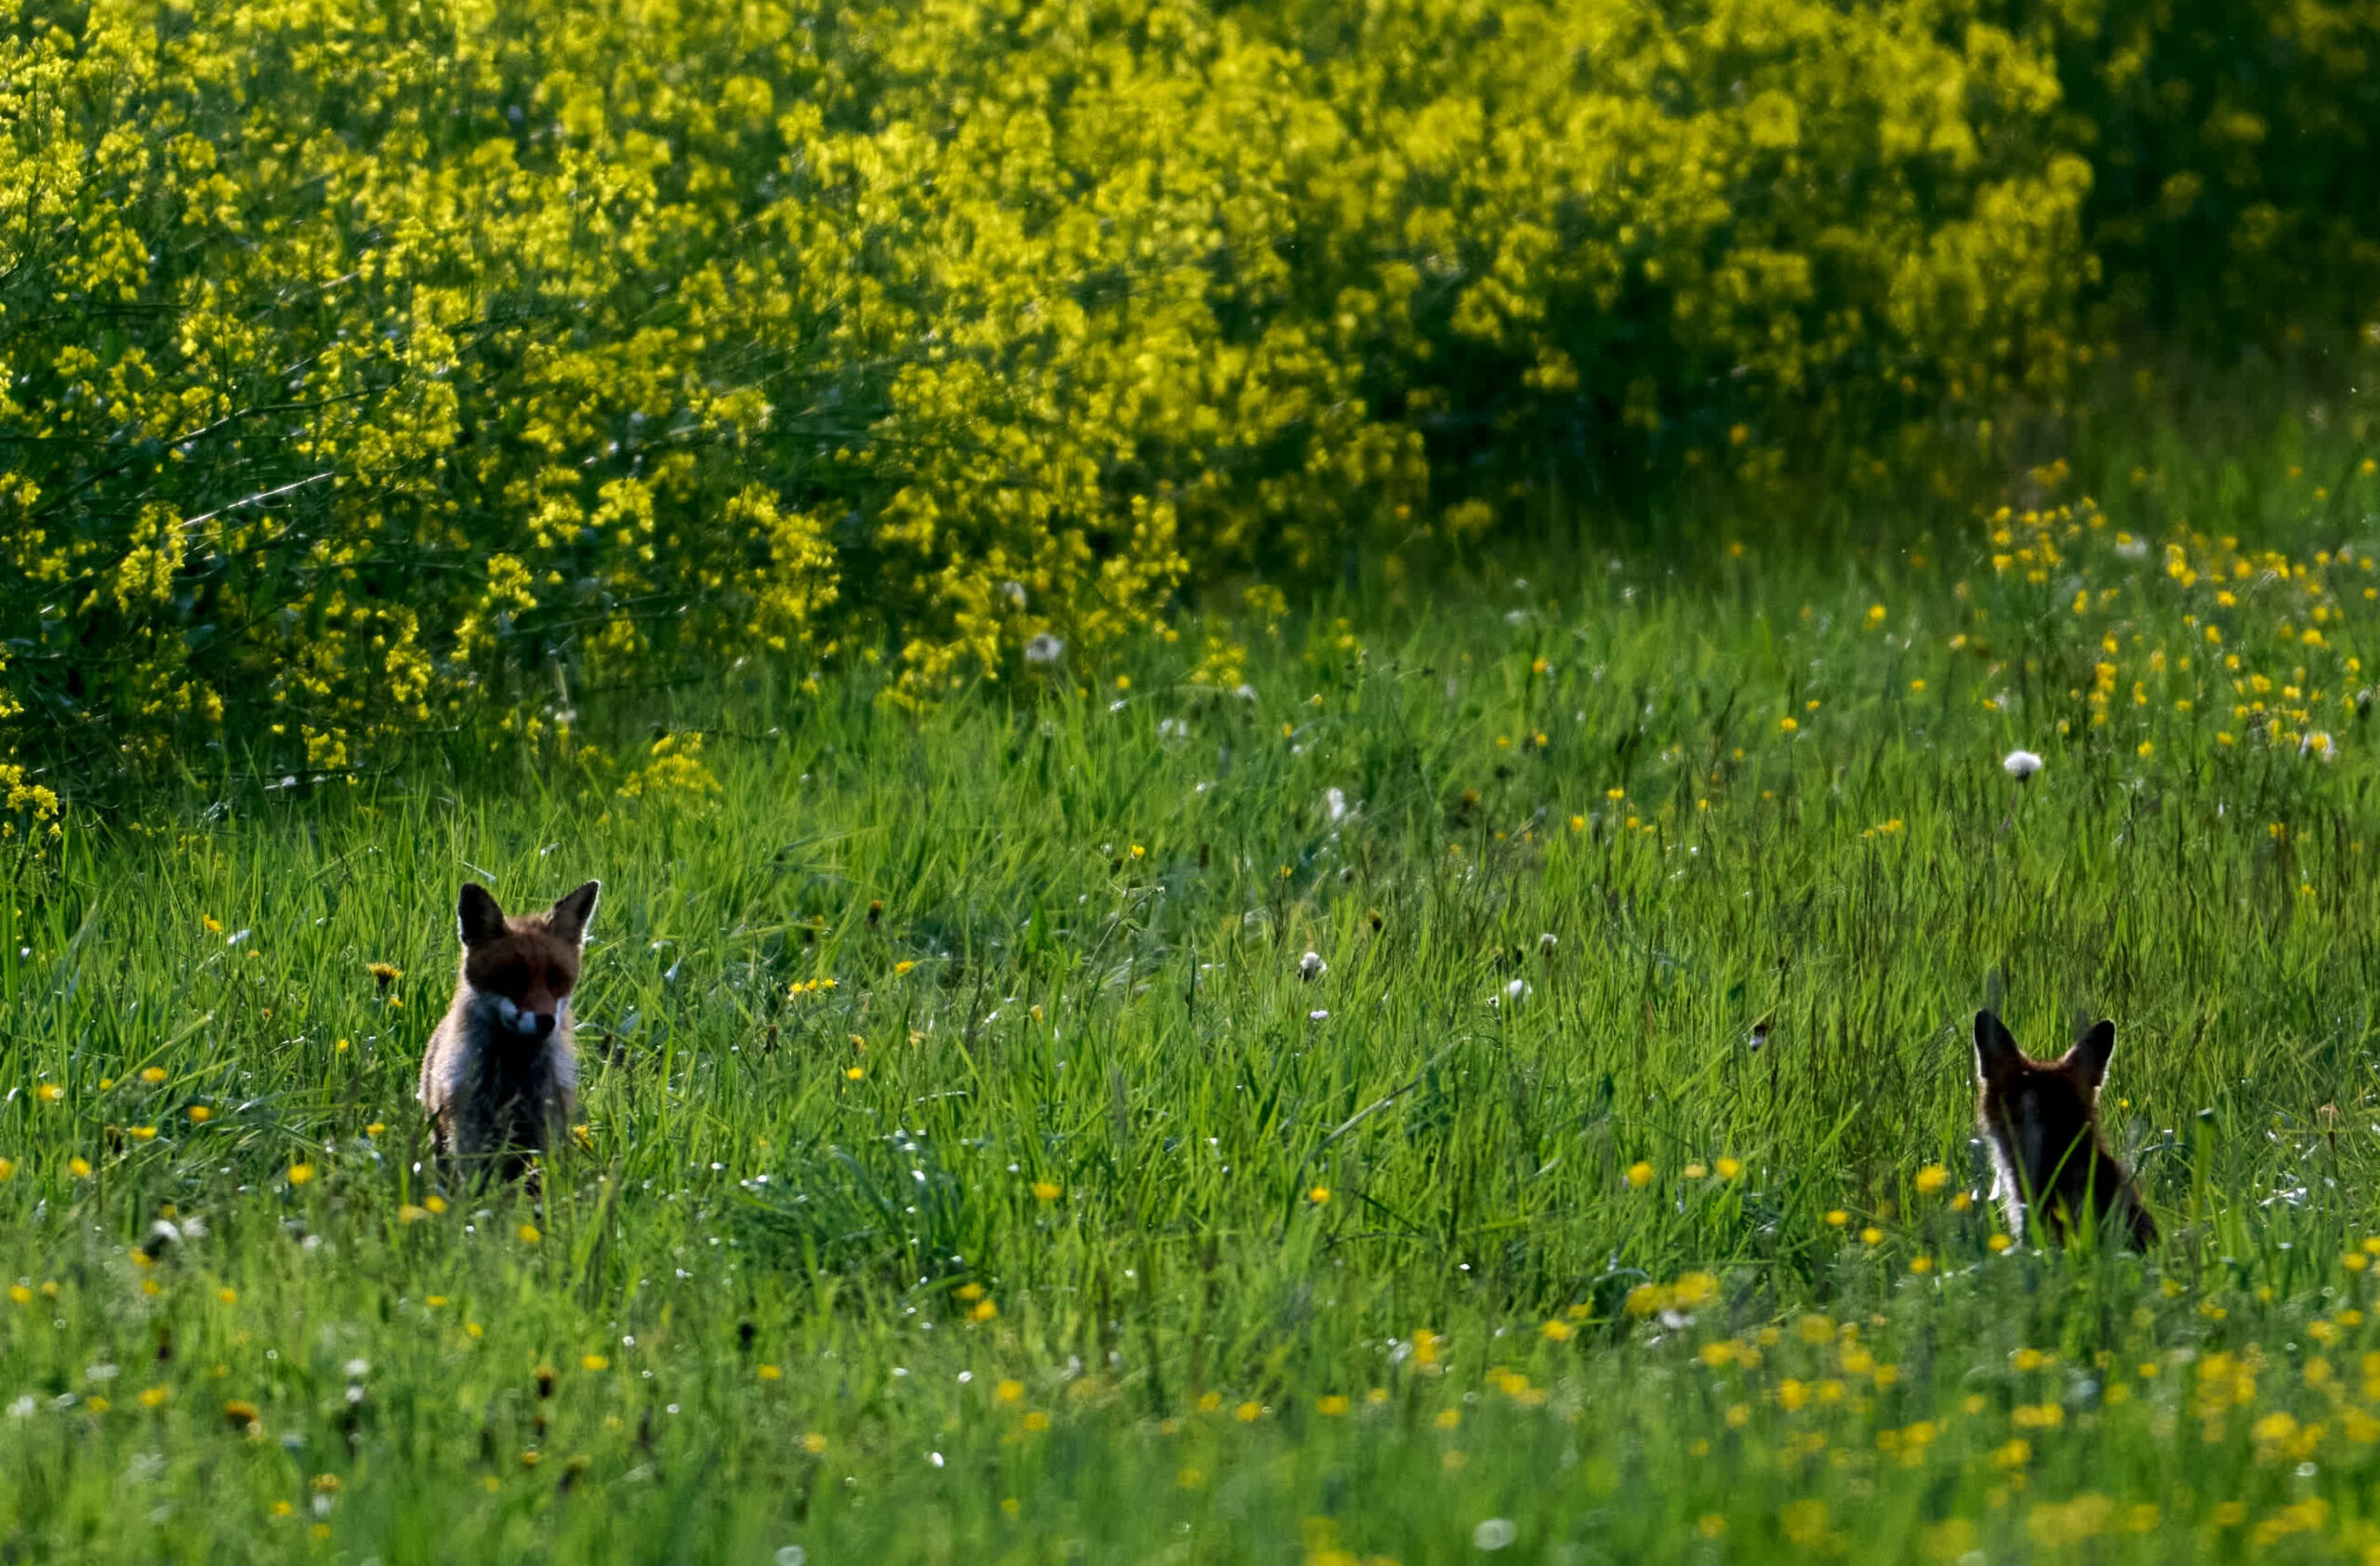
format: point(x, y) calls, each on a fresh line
point(1499, 1081)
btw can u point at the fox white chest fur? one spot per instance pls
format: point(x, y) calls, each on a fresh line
point(499, 1080)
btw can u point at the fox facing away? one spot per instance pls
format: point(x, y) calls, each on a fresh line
point(2040, 1120)
point(500, 1079)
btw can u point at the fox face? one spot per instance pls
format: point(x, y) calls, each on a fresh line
point(2041, 1120)
point(523, 970)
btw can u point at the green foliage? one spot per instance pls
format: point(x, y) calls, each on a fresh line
point(2236, 151)
point(972, 1164)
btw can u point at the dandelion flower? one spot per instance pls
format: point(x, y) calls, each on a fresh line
point(1046, 1190)
point(1311, 966)
point(1640, 1175)
point(300, 1174)
point(1932, 1178)
point(152, 1075)
point(2020, 764)
point(1729, 1168)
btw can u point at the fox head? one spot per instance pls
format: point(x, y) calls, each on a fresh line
point(2041, 1118)
point(523, 970)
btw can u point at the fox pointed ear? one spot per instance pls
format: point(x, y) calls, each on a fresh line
point(1996, 1054)
point(2088, 1058)
point(477, 916)
point(572, 910)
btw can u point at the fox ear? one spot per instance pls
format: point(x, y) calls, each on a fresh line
point(1996, 1054)
point(2088, 1058)
point(571, 911)
point(478, 917)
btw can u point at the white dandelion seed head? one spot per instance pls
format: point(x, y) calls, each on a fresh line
point(2130, 548)
point(1044, 649)
point(1546, 943)
point(2020, 764)
point(1311, 966)
point(1516, 991)
point(1495, 1533)
point(24, 1407)
point(1334, 804)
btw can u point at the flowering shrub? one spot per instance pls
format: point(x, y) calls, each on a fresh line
point(365, 368)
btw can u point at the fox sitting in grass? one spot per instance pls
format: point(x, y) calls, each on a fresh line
point(500, 1080)
point(2040, 1120)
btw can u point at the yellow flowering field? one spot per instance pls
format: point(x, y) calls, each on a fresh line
point(377, 371)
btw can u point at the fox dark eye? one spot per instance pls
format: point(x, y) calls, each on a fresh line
point(560, 983)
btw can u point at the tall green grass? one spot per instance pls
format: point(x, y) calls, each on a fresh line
point(1076, 1219)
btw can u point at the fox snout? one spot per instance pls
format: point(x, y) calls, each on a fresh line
point(529, 1018)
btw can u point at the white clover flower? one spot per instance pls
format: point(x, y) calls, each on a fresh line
point(1044, 649)
point(1311, 966)
point(2020, 764)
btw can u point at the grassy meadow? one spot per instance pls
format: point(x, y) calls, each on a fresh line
point(977, 1167)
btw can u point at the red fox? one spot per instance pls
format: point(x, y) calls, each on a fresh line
point(2040, 1120)
point(500, 1079)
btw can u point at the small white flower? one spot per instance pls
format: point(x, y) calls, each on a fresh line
point(103, 1373)
point(1014, 592)
point(1318, 1015)
point(1172, 728)
point(1245, 693)
point(1495, 1533)
point(1546, 943)
point(23, 1408)
point(1515, 993)
point(2020, 764)
point(1044, 649)
point(1334, 802)
point(1311, 966)
point(358, 1369)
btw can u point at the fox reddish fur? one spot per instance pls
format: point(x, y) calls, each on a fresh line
point(500, 1079)
point(2040, 1120)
